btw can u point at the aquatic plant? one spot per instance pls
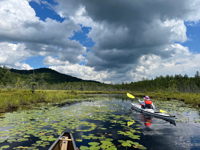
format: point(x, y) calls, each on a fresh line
point(47, 123)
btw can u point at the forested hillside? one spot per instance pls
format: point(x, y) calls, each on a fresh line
point(49, 75)
point(45, 78)
point(169, 83)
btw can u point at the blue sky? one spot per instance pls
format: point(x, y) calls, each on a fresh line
point(193, 33)
point(43, 11)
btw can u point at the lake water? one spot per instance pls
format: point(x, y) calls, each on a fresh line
point(102, 124)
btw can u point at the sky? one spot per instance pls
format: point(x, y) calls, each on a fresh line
point(107, 41)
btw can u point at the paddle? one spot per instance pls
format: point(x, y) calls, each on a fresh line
point(131, 96)
point(162, 111)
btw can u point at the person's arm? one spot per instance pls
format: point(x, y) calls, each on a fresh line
point(142, 102)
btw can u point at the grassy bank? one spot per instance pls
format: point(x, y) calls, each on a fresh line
point(14, 99)
point(188, 98)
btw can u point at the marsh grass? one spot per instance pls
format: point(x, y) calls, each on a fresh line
point(13, 99)
point(188, 98)
point(16, 98)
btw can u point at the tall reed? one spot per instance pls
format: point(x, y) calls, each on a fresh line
point(14, 99)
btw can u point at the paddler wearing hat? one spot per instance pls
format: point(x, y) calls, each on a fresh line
point(147, 103)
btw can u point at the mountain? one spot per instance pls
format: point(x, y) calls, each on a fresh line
point(49, 75)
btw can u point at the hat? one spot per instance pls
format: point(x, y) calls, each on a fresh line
point(146, 98)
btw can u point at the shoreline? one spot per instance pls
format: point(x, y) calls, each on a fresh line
point(14, 100)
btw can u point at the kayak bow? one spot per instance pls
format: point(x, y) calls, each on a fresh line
point(64, 142)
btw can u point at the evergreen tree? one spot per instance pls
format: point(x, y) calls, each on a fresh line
point(5, 76)
point(185, 76)
point(32, 79)
point(41, 81)
point(197, 75)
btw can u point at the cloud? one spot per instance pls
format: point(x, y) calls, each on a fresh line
point(126, 32)
point(53, 61)
point(22, 66)
point(80, 71)
point(134, 39)
point(12, 54)
point(18, 23)
point(180, 63)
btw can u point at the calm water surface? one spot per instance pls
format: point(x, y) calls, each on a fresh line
point(102, 120)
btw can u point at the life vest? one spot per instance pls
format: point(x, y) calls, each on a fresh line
point(148, 102)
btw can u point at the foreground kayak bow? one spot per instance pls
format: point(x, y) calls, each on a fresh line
point(64, 142)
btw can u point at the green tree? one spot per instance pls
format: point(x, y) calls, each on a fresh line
point(197, 75)
point(5, 75)
point(185, 76)
point(32, 79)
point(41, 81)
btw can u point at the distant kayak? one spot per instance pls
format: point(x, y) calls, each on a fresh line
point(64, 142)
point(153, 112)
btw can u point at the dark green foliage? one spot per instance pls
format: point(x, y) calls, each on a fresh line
point(45, 78)
point(5, 75)
point(48, 75)
point(168, 83)
point(197, 75)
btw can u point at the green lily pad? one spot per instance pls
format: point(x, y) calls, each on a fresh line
point(5, 146)
point(103, 128)
point(93, 143)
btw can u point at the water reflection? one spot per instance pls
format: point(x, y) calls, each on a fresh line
point(147, 119)
point(153, 133)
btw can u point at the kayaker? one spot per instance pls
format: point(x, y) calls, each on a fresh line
point(147, 104)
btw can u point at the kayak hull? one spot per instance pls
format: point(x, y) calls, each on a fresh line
point(57, 145)
point(153, 113)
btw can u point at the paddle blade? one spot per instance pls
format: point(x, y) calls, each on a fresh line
point(130, 96)
point(162, 111)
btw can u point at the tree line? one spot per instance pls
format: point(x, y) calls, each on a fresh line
point(45, 78)
point(177, 83)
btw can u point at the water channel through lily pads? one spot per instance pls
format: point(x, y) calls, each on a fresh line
point(106, 124)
